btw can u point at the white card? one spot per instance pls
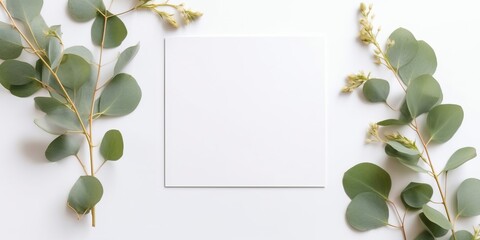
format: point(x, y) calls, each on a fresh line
point(244, 112)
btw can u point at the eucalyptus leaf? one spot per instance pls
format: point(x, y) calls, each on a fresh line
point(423, 94)
point(391, 122)
point(436, 217)
point(85, 10)
point(120, 97)
point(63, 146)
point(432, 227)
point(80, 51)
point(366, 177)
point(39, 30)
point(65, 118)
point(462, 235)
point(443, 122)
point(24, 10)
point(48, 104)
point(415, 195)
point(406, 156)
point(425, 235)
point(405, 115)
point(25, 90)
point(125, 58)
point(468, 195)
point(48, 126)
point(460, 157)
point(85, 194)
point(13, 72)
point(424, 62)
point(115, 32)
point(404, 48)
point(74, 71)
point(10, 41)
point(376, 90)
point(112, 145)
point(54, 52)
point(367, 211)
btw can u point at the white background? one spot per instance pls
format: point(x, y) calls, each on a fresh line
point(137, 206)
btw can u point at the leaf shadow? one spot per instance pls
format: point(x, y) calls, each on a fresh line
point(34, 150)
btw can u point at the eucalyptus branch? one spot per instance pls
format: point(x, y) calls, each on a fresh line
point(413, 63)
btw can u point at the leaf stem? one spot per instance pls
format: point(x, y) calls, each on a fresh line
point(401, 220)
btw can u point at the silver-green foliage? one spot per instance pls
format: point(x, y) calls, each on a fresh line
point(70, 77)
point(413, 63)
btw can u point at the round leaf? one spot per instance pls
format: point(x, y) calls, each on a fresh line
point(112, 145)
point(13, 72)
point(125, 58)
point(462, 235)
point(443, 122)
point(367, 211)
point(39, 31)
point(423, 94)
point(85, 194)
point(436, 217)
point(460, 157)
point(25, 90)
point(47, 104)
point(376, 90)
point(415, 195)
point(366, 177)
point(10, 41)
point(468, 195)
point(404, 48)
point(433, 228)
point(85, 10)
point(424, 62)
point(425, 235)
point(24, 10)
point(120, 97)
point(80, 51)
point(115, 32)
point(74, 71)
point(62, 147)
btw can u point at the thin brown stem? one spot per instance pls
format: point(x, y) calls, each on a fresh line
point(435, 177)
point(400, 219)
point(81, 163)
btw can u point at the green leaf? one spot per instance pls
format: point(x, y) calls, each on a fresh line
point(423, 94)
point(25, 90)
point(39, 31)
point(468, 195)
point(376, 90)
point(405, 115)
point(48, 104)
point(460, 157)
point(115, 32)
point(54, 52)
point(404, 48)
point(443, 122)
point(65, 118)
point(425, 235)
point(85, 194)
point(48, 126)
point(10, 41)
point(366, 177)
point(24, 10)
point(415, 195)
point(125, 58)
point(406, 156)
point(462, 235)
point(432, 227)
point(63, 146)
point(112, 145)
point(391, 122)
point(120, 97)
point(13, 72)
point(80, 51)
point(367, 211)
point(74, 71)
point(85, 10)
point(436, 217)
point(424, 62)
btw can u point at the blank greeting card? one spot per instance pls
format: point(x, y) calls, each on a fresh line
point(244, 112)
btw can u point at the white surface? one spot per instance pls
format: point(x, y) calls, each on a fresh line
point(137, 206)
point(244, 112)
